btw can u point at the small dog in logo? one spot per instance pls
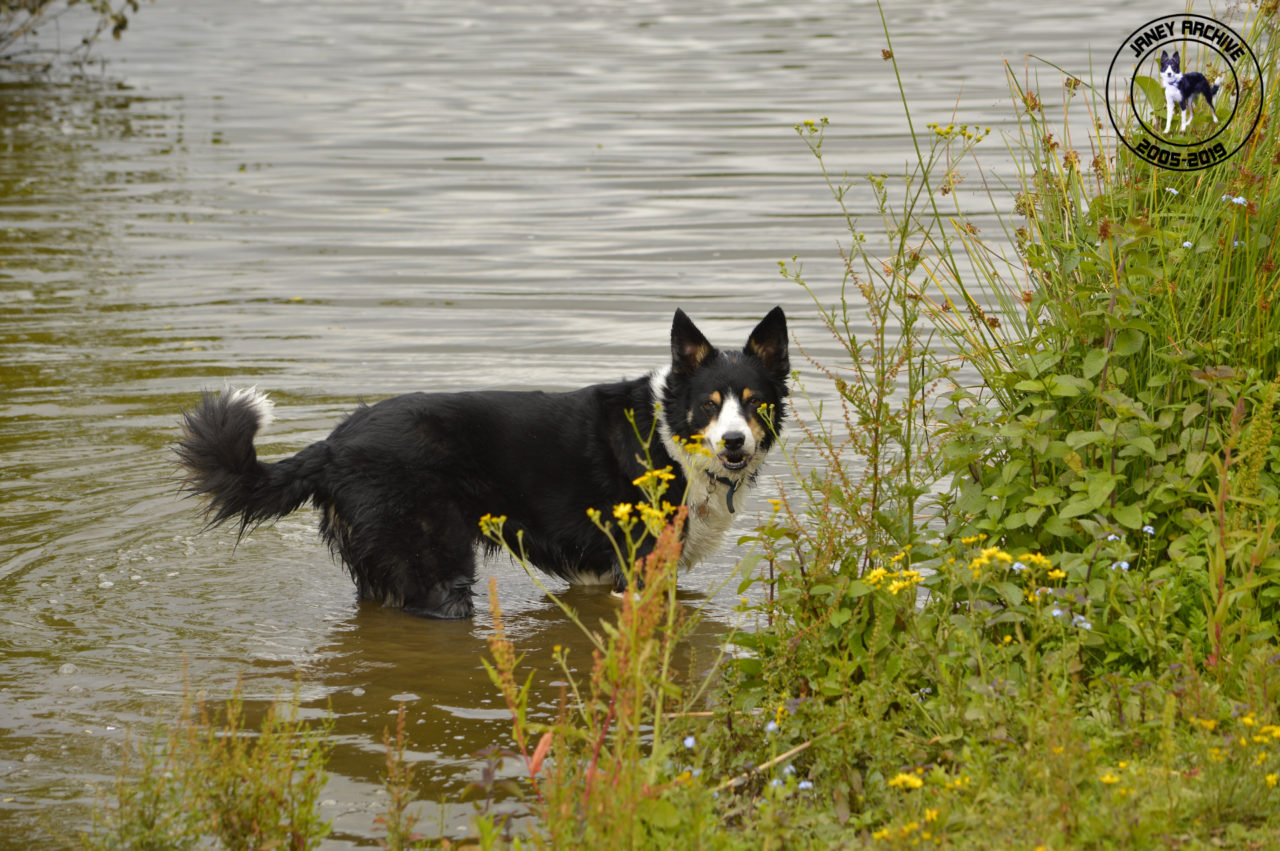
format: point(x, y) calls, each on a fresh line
point(1180, 89)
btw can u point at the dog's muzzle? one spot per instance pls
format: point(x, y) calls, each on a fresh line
point(733, 454)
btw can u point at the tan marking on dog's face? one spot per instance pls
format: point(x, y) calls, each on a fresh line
point(716, 397)
point(747, 394)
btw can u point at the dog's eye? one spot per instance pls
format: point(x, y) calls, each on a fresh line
point(710, 406)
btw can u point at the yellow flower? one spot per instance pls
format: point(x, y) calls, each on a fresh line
point(906, 781)
point(883, 833)
point(930, 815)
point(622, 510)
point(654, 477)
point(1273, 779)
point(490, 525)
point(875, 577)
point(1207, 723)
point(1057, 574)
point(1109, 778)
point(904, 579)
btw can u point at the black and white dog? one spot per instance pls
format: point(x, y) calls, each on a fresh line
point(1180, 89)
point(401, 485)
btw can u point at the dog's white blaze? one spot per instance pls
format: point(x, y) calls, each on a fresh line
point(731, 419)
point(263, 407)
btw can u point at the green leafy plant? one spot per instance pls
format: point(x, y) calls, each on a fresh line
point(210, 776)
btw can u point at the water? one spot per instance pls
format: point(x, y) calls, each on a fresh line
point(337, 201)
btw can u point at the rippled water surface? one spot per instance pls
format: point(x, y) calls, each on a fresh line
point(339, 201)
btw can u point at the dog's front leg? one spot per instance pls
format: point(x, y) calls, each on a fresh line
point(1168, 112)
point(1186, 115)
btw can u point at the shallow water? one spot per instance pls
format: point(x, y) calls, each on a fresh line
point(339, 201)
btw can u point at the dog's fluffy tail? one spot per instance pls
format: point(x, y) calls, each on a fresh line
point(220, 464)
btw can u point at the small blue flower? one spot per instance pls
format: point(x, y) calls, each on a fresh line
point(1239, 201)
point(1171, 190)
point(689, 742)
point(1056, 612)
point(775, 782)
point(771, 727)
point(805, 784)
point(790, 769)
point(1186, 245)
point(1081, 621)
point(1113, 537)
point(1235, 243)
point(1123, 565)
point(1148, 530)
point(1018, 567)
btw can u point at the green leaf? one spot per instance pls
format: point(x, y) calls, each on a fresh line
point(1081, 439)
point(1094, 362)
point(1195, 462)
point(664, 814)
point(1069, 386)
point(1029, 385)
point(1077, 507)
point(1141, 445)
point(1011, 592)
point(1128, 341)
point(1152, 90)
point(1129, 516)
point(1100, 487)
point(857, 589)
point(1058, 527)
point(1044, 496)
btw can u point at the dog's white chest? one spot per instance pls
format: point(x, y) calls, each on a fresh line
point(709, 520)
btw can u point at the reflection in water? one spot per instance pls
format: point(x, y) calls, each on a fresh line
point(379, 658)
point(334, 203)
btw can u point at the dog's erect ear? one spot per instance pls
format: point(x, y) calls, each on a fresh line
point(1177, 60)
point(1164, 57)
point(689, 348)
point(768, 342)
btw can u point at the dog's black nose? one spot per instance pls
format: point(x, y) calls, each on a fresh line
point(734, 441)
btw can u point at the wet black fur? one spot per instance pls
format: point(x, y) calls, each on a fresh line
point(402, 484)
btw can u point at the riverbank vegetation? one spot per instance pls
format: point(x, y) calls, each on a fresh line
point(22, 20)
point(1029, 597)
